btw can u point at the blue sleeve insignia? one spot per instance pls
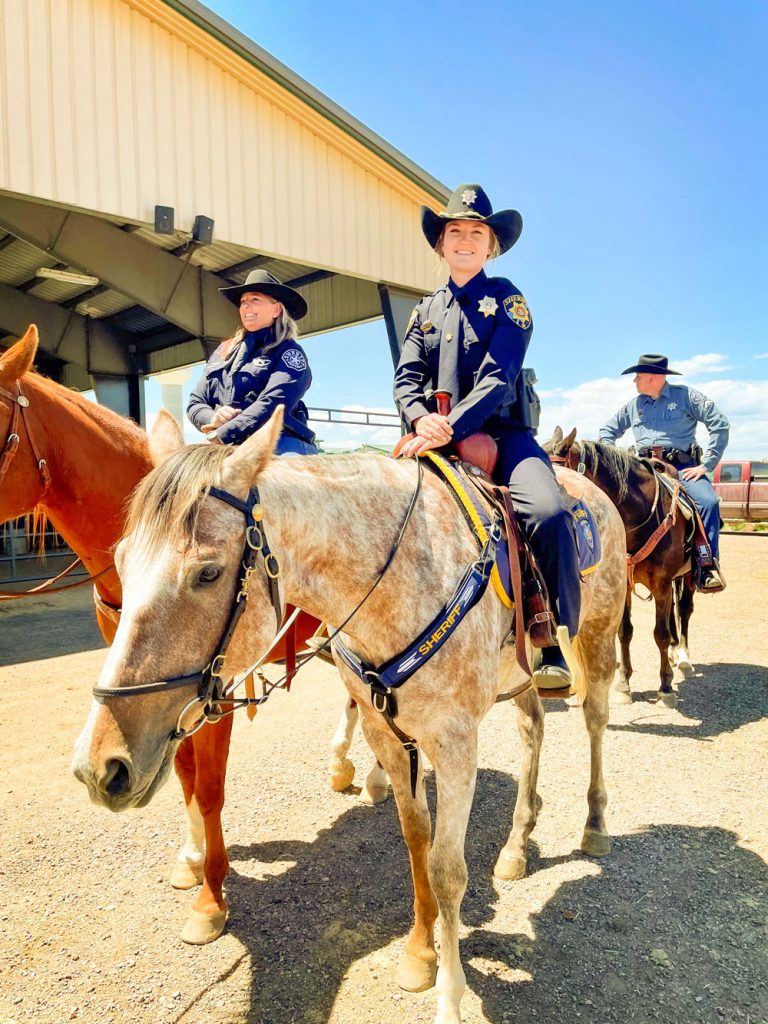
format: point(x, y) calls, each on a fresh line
point(295, 359)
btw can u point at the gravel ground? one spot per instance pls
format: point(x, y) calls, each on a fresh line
point(672, 926)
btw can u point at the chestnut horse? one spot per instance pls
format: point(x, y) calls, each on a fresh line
point(326, 525)
point(665, 571)
point(77, 463)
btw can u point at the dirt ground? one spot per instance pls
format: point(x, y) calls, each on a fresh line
point(672, 926)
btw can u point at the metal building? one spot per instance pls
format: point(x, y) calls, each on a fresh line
point(113, 108)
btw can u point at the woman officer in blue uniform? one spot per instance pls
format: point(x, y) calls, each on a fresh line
point(260, 367)
point(470, 338)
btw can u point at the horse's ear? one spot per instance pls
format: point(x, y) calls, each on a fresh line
point(19, 358)
point(568, 441)
point(165, 437)
point(557, 435)
point(254, 454)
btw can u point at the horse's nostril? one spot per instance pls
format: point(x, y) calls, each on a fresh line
point(117, 778)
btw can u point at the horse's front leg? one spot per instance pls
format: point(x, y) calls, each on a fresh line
point(209, 911)
point(454, 759)
point(621, 691)
point(512, 860)
point(661, 634)
point(187, 872)
point(418, 965)
point(597, 655)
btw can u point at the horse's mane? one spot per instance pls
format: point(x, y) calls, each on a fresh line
point(165, 504)
point(618, 463)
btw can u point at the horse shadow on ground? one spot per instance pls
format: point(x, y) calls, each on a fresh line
point(719, 698)
point(673, 928)
point(347, 894)
point(57, 631)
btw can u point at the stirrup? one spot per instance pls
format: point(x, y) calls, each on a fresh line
point(710, 580)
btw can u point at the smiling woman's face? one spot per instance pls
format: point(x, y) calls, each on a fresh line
point(466, 245)
point(258, 310)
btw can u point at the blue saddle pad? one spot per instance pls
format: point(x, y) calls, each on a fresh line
point(587, 537)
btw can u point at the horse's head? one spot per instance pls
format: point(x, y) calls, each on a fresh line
point(180, 564)
point(558, 447)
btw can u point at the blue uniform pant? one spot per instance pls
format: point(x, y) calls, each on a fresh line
point(290, 445)
point(703, 494)
point(547, 522)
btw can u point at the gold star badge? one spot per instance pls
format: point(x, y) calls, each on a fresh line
point(488, 305)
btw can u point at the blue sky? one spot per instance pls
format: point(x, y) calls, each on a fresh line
point(631, 137)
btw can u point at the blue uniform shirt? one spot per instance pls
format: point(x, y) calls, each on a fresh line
point(256, 383)
point(470, 341)
point(670, 421)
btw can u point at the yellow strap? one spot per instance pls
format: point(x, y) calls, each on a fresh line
point(454, 480)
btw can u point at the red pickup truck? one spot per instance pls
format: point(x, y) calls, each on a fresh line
point(742, 488)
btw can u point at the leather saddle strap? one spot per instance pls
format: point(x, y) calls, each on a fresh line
point(514, 548)
point(664, 527)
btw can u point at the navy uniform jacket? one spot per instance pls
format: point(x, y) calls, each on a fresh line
point(256, 384)
point(470, 341)
point(670, 421)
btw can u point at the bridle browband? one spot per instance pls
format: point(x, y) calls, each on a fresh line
point(20, 404)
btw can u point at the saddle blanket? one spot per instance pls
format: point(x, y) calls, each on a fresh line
point(585, 527)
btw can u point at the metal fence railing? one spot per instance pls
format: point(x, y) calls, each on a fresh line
point(24, 559)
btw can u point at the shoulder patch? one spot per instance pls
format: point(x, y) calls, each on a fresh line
point(517, 310)
point(294, 359)
point(698, 398)
point(412, 319)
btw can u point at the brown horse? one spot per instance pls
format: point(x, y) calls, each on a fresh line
point(77, 463)
point(644, 505)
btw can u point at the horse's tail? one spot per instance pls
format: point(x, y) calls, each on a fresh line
point(582, 680)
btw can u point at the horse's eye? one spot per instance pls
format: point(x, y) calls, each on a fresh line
point(209, 574)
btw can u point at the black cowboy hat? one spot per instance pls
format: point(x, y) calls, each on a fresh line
point(469, 202)
point(651, 364)
point(266, 284)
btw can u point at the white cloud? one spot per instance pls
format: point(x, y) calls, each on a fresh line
point(762, 355)
point(711, 362)
point(588, 405)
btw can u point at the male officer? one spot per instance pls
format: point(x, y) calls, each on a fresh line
point(664, 416)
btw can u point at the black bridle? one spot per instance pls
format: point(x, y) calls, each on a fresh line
point(210, 686)
point(211, 689)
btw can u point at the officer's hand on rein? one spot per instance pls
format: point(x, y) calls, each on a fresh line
point(417, 446)
point(693, 473)
point(434, 427)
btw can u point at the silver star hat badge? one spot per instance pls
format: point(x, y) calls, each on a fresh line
point(468, 196)
point(487, 305)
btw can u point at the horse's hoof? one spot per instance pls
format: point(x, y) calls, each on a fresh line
point(669, 700)
point(620, 697)
point(200, 928)
point(187, 876)
point(509, 868)
point(375, 794)
point(414, 974)
point(595, 844)
point(341, 779)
